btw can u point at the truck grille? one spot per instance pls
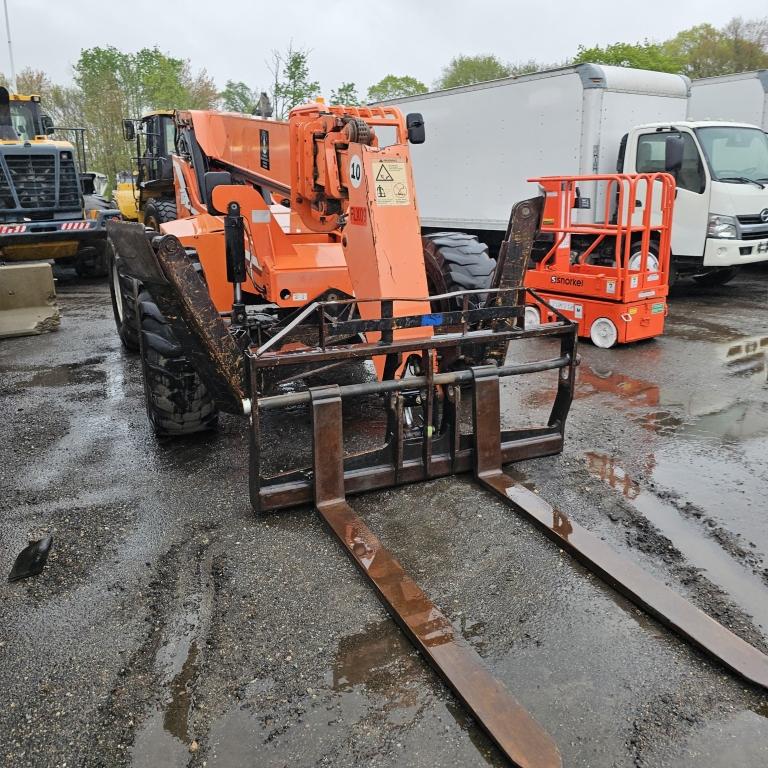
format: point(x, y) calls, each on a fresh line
point(753, 227)
point(69, 191)
point(6, 194)
point(752, 218)
point(34, 179)
point(35, 184)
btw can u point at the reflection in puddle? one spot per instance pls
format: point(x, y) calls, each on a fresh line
point(747, 356)
point(743, 588)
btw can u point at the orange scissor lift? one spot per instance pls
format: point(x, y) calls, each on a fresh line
point(611, 277)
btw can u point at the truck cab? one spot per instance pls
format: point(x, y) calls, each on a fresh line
point(721, 206)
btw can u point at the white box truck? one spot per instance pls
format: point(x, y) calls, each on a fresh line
point(485, 140)
point(742, 97)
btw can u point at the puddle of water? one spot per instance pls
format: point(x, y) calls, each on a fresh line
point(376, 682)
point(740, 741)
point(155, 746)
point(743, 588)
point(736, 423)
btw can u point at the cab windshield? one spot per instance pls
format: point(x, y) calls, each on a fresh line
point(734, 154)
point(24, 119)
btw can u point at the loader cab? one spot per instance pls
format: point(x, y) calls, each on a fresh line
point(21, 118)
point(158, 132)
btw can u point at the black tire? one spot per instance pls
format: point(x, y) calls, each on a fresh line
point(123, 290)
point(158, 211)
point(717, 276)
point(177, 401)
point(456, 261)
point(92, 262)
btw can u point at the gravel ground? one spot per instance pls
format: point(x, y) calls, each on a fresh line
point(172, 627)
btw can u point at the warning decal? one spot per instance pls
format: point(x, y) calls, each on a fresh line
point(390, 182)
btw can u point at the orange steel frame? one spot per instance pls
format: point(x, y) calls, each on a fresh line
point(307, 161)
point(633, 299)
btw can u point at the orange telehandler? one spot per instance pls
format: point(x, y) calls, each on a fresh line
point(298, 249)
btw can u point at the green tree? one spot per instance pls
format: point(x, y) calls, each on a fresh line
point(291, 84)
point(645, 55)
point(238, 97)
point(346, 93)
point(529, 67)
point(704, 51)
point(465, 70)
point(113, 84)
point(29, 81)
point(393, 87)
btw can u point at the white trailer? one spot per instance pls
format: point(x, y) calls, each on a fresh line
point(485, 140)
point(742, 97)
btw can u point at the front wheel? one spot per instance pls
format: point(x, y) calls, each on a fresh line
point(177, 401)
point(159, 210)
point(123, 291)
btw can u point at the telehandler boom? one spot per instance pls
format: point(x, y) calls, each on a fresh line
point(229, 302)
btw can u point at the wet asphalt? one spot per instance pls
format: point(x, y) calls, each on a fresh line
point(172, 627)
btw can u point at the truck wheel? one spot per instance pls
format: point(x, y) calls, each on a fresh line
point(158, 211)
point(92, 262)
point(717, 276)
point(123, 290)
point(177, 401)
point(456, 261)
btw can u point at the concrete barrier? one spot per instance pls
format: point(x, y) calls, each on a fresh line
point(27, 300)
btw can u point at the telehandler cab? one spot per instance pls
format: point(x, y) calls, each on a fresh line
point(298, 249)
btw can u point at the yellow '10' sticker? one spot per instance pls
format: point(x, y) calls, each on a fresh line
point(390, 182)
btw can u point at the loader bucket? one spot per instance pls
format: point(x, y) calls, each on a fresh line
point(27, 300)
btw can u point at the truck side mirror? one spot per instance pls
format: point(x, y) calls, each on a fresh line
point(212, 180)
point(47, 124)
point(414, 122)
point(129, 130)
point(673, 153)
point(88, 183)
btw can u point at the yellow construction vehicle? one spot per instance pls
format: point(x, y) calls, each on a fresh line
point(49, 210)
point(48, 205)
point(147, 195)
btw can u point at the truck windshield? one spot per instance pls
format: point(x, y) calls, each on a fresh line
point(24, 119)
point(734, 154)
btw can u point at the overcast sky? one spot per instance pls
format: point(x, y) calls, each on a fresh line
point(359, 42)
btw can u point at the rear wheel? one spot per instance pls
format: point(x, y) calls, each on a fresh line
point(177, 401)
point(717, 276)
point(456, 261)
point(91, 262)
point(158, 211)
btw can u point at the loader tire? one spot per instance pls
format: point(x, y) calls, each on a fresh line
point(456, 261)
point(158, 211)
point(177, 401)
point(123, 291)
point(92, 262)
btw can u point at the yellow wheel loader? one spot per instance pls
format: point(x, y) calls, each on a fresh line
point(48, 207)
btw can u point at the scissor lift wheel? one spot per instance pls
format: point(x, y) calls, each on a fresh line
point(603, 333)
